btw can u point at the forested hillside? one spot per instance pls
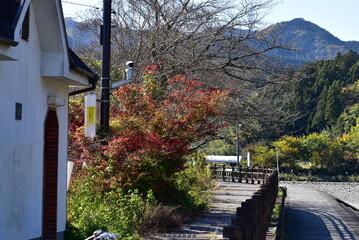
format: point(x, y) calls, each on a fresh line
point(320, 122)
point(319, 95)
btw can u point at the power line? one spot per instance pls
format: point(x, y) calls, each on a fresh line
point(79, 4)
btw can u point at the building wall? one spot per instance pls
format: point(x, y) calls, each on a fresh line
point(22, 141)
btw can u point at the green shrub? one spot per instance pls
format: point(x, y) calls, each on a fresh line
point(194, 182)
point(129, 213)
point(114, 211)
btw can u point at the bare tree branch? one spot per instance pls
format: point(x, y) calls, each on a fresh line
point(219, 41)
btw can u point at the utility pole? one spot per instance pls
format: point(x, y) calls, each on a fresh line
point(105, 69)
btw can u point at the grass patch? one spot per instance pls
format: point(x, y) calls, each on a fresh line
point(278, 207)
point(276, 226)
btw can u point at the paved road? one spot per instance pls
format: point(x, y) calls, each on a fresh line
point(314, 215)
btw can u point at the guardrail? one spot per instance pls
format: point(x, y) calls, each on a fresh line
point(253, 217)
point(242, 174)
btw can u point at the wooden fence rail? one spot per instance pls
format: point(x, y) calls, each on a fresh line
point(242, 174)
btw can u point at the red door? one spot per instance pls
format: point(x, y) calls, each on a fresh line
point(51, 148)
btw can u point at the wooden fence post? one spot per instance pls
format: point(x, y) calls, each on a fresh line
point(246, 175)
point(223, 172)
point(240, 174)
point(232, 174)
point(252, 177)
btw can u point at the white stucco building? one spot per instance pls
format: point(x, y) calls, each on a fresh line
point(36, 70)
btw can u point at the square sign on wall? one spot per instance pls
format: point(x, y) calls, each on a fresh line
point(18, 111)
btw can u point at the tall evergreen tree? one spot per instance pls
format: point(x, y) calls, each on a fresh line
point(319, 122)
point(334, 105)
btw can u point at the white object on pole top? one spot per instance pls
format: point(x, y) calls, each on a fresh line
point(129, 70)
point(90, 115)
point(129, 75)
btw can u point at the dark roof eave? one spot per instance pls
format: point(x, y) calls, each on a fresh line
point(77, 65)
point(93, 82)
point(8, 41)
point(10, 21)
point(82, 71)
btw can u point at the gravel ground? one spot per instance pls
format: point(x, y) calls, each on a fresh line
point(345, 191)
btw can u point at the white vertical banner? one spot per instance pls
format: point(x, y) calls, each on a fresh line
point(248, 159)
point(90, 115)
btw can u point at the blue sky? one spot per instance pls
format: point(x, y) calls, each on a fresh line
point(339, 17)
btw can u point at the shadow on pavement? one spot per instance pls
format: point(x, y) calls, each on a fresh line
point(302, 225)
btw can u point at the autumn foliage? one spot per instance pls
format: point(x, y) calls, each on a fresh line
point(154, 126)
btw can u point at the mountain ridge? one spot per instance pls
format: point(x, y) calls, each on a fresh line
point(311, 42)
point(308, 41)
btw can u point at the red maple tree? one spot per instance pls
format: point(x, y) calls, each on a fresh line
point(153, 127)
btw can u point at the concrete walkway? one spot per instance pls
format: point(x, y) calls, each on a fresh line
point(314, 215)
point(225, 200)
